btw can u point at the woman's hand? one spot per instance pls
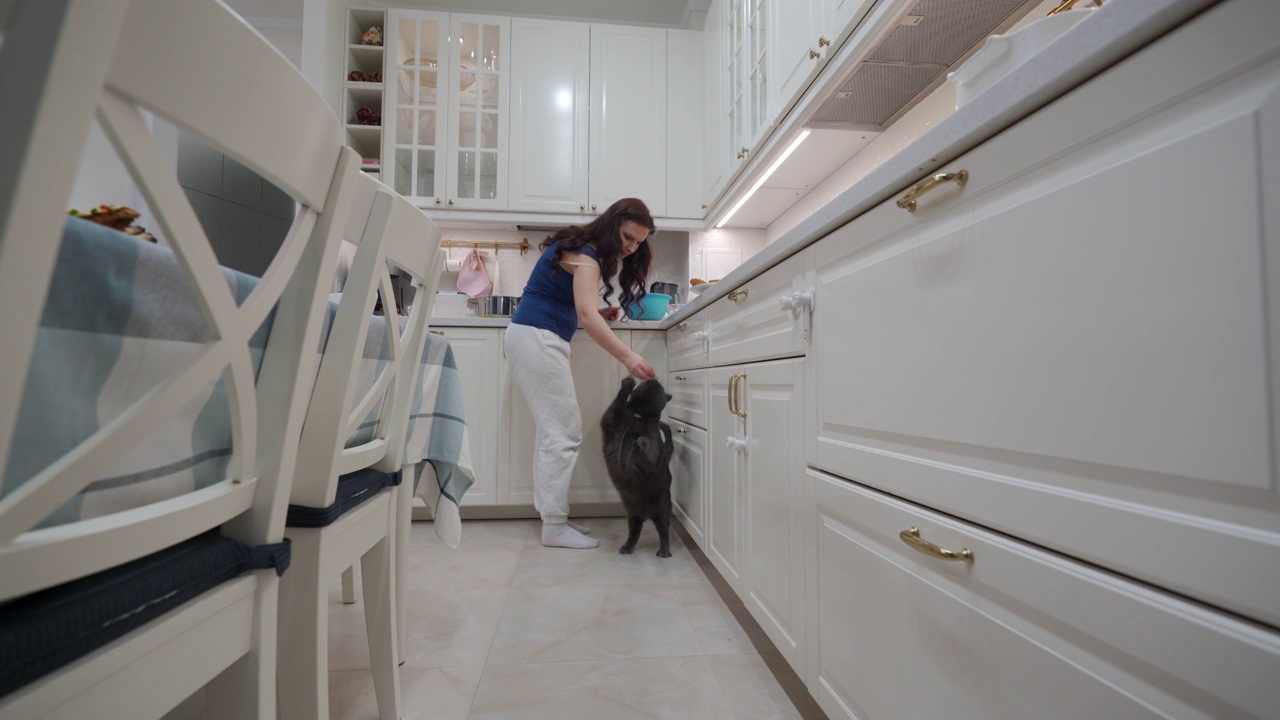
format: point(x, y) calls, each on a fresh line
point(610, 313)
point(640, 367)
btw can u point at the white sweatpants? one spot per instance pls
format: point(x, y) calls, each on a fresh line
point(539, 362)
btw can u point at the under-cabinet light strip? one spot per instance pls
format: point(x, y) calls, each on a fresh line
point(776, 164)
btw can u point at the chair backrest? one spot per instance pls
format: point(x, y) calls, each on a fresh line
point(387, 230)
point(196, 64)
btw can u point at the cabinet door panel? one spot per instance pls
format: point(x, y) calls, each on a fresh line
point(478, 354)
point(688, 389)
point(688, 479)
point(1074, 347)
point(797, 25)
point(550, 92)
point(714, 142)
point(479, 93)
point(1019, 633)
point(686, 343)
point(771, 394)
point(725, 546)
point(685, 90)
point(628, 116)
point(415, 141)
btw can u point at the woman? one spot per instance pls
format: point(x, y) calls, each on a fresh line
point(564, 292)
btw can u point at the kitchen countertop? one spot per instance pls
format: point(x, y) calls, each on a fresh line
point(465, 321)
point(1109, 34)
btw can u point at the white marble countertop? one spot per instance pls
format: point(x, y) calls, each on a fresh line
point(1100, 40)
point(481, 322)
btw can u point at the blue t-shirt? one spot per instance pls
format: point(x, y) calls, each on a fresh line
point(547, 302)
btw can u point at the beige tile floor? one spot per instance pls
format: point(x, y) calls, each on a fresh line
point(505, 628)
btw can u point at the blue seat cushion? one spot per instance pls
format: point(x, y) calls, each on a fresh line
point(353, 489)
point(44, 631)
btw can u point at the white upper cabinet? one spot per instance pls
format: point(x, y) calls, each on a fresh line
point(414, 137)
point(715, 156)
point(798, 48)
point(445, 136)
point(480, 50)
point(685, 124)
point(550, 94)
point(628, 116)
point(749, 115)
point(842, 16)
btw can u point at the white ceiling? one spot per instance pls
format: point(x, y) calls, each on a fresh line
point(661, 13)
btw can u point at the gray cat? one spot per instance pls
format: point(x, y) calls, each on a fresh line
point(637, 451)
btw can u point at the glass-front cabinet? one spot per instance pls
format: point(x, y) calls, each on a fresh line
point(747, 98)
point(447, 135)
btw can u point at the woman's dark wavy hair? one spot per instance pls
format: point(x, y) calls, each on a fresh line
point(605, 232)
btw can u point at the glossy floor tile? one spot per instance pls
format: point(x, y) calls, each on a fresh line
point(503, 628)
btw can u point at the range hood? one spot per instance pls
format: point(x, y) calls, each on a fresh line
point(913, 58)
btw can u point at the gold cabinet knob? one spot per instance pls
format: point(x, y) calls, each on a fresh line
point(814, 54)
point(682, 431)
point(704, 206)
point(738, 295)
point(437, 201)
point(450, 201)
point(593, 207)
point(582, 208)
point(682, 326)
point(823, 41)
point(745, 150)
point(682, 378)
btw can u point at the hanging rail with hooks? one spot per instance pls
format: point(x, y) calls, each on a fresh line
point(495, 244)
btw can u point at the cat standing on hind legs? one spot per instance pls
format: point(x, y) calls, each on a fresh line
point(637, 451)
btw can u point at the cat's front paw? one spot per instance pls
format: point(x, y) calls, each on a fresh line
point(628, 383)
point(663, 552)
point(626, 549)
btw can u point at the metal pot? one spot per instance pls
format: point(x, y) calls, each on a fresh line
point(491, 306)
point(665, 288)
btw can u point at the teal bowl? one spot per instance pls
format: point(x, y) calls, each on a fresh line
point(653, 306)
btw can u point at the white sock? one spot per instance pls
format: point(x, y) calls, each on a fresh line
point(580, 528)
point(561, 535)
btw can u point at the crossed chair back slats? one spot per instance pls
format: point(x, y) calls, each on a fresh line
point(388, 230)
point(201, 68)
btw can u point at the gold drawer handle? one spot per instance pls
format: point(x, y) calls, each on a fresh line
point(682, 378)
point(823, 41)
point(908, 199)
point(736, 295)
point(912, 538)
point(682, 326)
point(814, 54)
point(682, 431)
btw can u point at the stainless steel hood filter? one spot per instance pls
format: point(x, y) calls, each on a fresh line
point(912, 59)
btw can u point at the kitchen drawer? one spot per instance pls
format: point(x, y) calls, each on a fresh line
point(689, 479)
point(749, 323)
point(687, 343)
point(688, 390)
point(1019, 633)
point(1078, 346)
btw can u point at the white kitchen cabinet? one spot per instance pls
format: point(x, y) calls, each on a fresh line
point(799, 47)
point(901, 632)
point(751, 322)
point(688, 342)
point(685, 122)
point(840, 17)
point(688, 390)
point(689, 479)
point(757, 527)
point(628, 156)
point(445, 136)
point(550, 94)
point(414, 138)
point(481, 367)
point(1078, 346)
point(596, 377)
point(715, 143)
point(480, 54)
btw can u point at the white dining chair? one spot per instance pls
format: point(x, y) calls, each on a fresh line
point(64, 63)
point(344, 498)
